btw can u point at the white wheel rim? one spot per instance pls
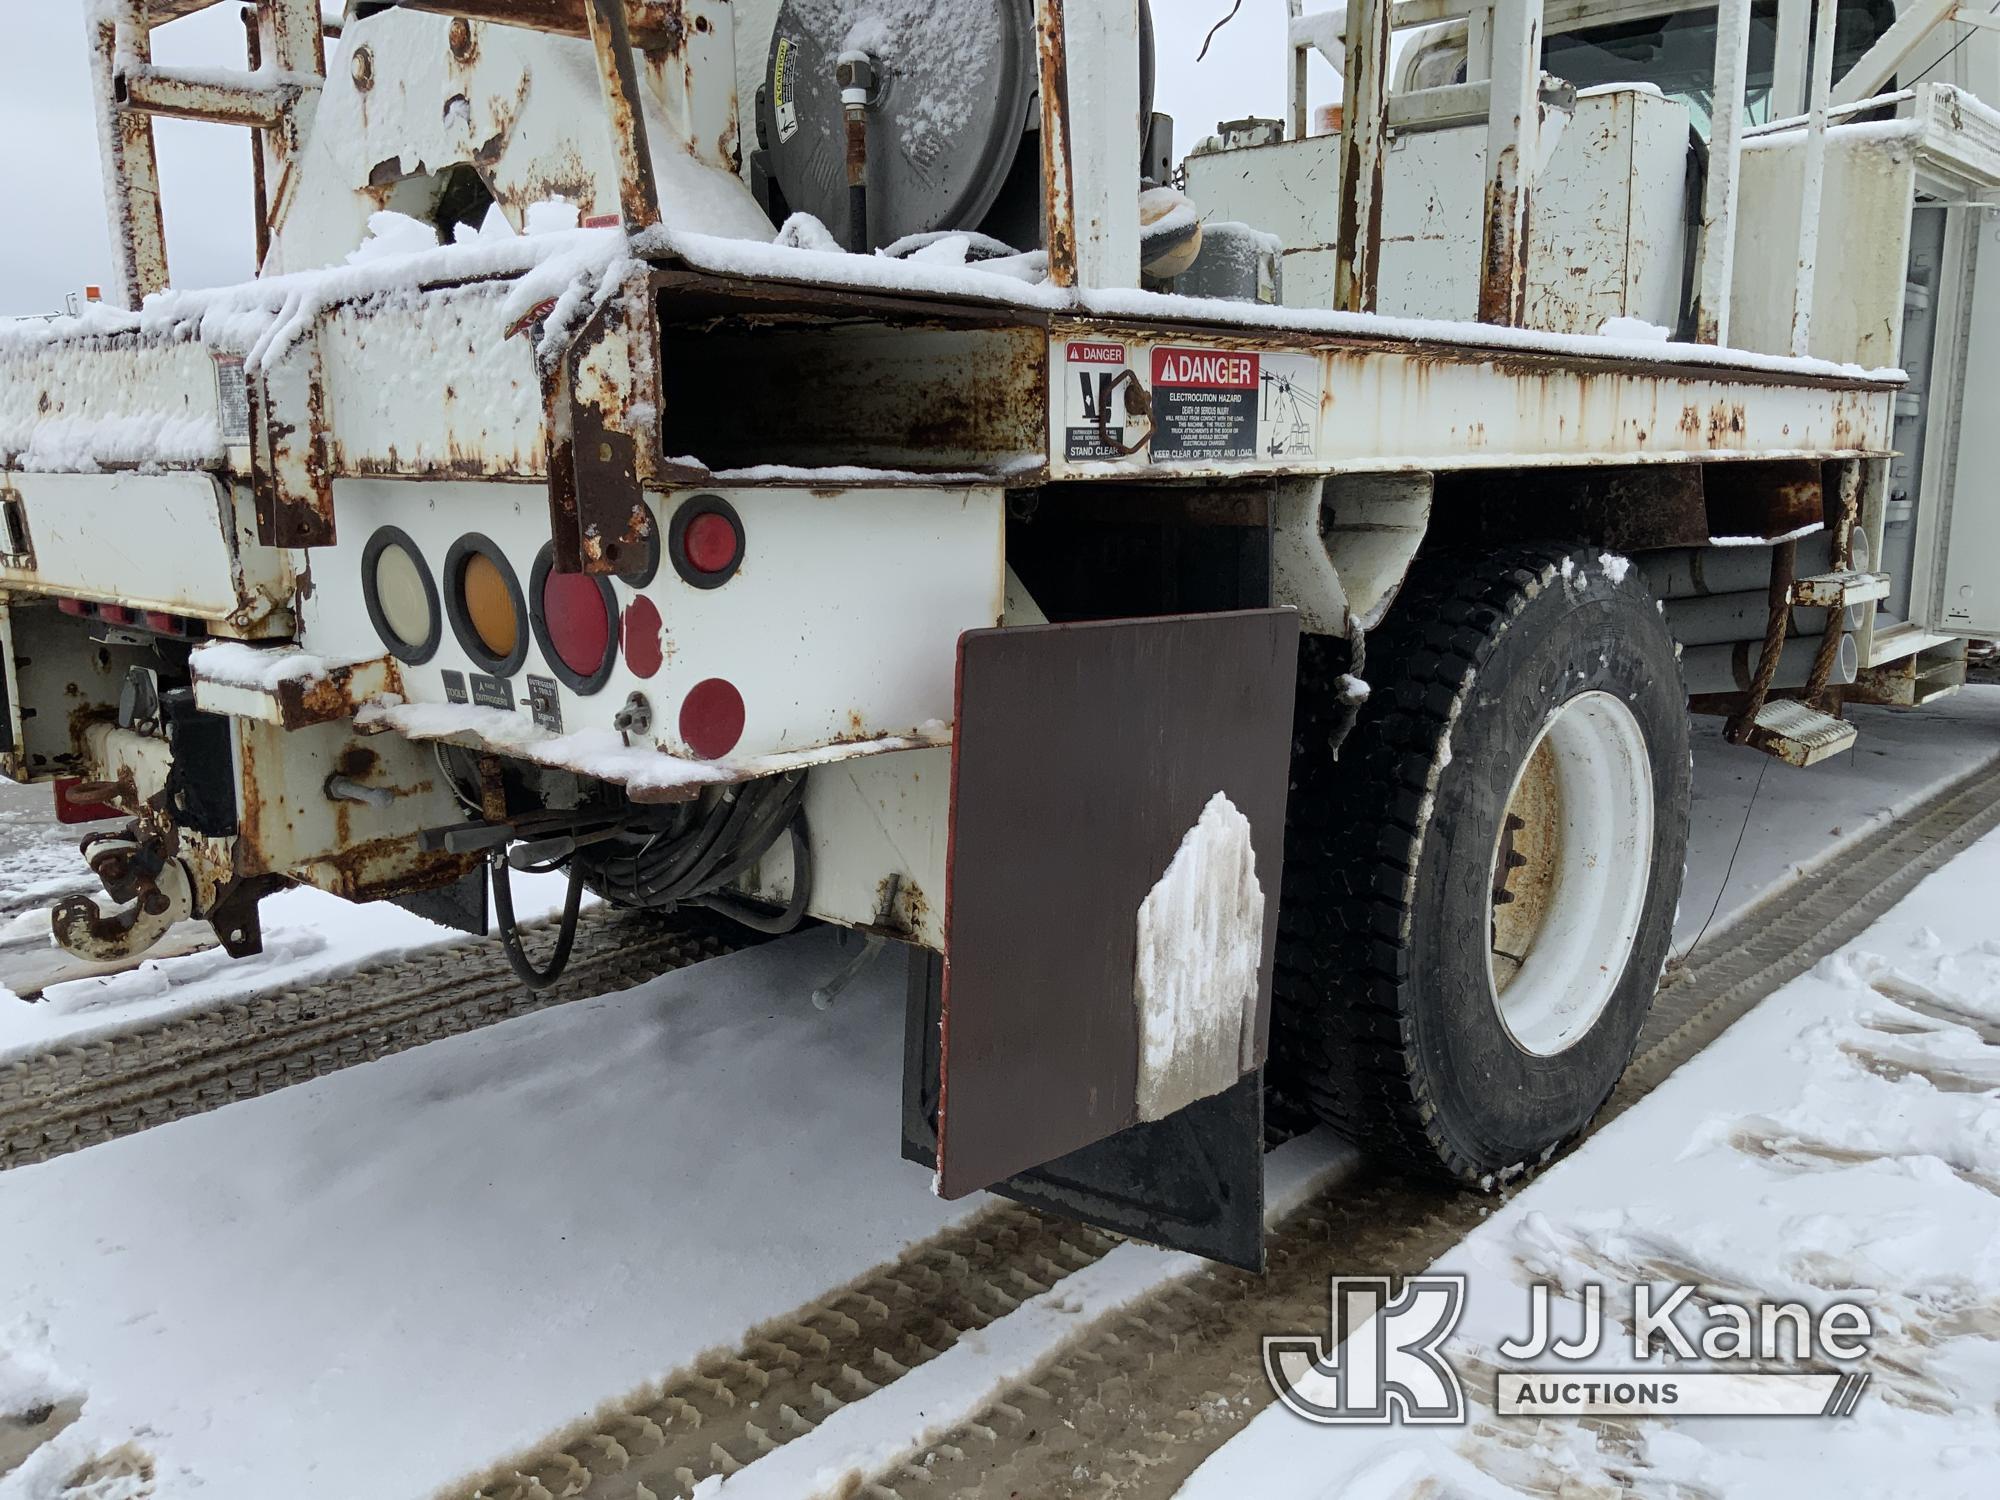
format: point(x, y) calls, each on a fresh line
point(1567, 903)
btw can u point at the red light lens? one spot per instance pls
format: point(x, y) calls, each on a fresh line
point(117, 614)
point(712, 718)
point(710, 542)
point(73, 606)
point(579, 626)
point(160, 620)
point(644, 636)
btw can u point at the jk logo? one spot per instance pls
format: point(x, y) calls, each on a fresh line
point(1382, 1362)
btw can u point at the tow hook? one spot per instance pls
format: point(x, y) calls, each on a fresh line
point(155, 893)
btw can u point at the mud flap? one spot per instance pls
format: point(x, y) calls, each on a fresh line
point(1193, 1181)
point(1117, 835)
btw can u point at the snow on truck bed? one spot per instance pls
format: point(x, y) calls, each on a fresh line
point(574, 267)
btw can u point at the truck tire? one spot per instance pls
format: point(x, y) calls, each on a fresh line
point(1479, 892)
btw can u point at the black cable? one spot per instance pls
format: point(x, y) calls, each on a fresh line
point(1970, 33)
point(794, 913)
point(702, 852)
point(1210, 38)
point(1731, 868)
point(510, 933)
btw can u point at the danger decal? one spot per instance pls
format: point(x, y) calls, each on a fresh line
point(1205, 403)
point(1094, 410)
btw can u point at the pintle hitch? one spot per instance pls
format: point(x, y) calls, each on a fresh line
point(151, 887)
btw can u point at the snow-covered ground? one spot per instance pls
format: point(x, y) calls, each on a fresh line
point(1842, 1142)
point(380, 1281)
point(375, 1283)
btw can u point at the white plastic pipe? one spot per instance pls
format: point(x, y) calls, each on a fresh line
point(1732, 668)
point(1716, 619)
point(1687, 572)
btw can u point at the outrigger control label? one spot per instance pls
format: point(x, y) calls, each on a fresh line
point(545, 702)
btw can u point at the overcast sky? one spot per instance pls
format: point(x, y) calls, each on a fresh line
point(51, 198)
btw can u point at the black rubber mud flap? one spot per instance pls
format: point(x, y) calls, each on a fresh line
point(460, 906)
point(1193, 1181)
point(1087, 760)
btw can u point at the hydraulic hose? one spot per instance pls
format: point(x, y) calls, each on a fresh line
point(544, 977)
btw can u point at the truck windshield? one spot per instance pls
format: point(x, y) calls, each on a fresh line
point(1676, 54)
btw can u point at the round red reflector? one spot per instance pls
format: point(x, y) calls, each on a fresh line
point(579, 625)
point(710, 543)
point(643, 633)
point(712, 718)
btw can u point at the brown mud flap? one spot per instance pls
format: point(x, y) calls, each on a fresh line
point(1099, 1025)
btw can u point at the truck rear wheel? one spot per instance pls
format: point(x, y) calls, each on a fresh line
point(1480, 892)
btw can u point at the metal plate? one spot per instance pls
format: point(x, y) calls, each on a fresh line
point(1082, 756)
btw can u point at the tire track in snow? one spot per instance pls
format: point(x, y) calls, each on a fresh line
point(80, 1094)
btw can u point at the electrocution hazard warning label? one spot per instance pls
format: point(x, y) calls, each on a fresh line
point(1204, 404)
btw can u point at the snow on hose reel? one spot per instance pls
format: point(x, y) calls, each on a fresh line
point(947, 96)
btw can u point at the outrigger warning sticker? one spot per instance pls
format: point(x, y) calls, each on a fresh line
point(1094, 412)
point(784, 98)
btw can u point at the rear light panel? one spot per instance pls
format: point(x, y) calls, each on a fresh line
point(576, 623)
point(157, 621)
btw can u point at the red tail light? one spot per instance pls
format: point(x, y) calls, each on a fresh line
point(576, 623)
point(69, 809)
point(579, 624)
point(116, 614)
point(706, 541)
point(80, 607)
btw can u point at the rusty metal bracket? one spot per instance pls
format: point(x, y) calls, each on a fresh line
point(611, 36)
point(597, 506)
point(291, 479)
point(1848, 488)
